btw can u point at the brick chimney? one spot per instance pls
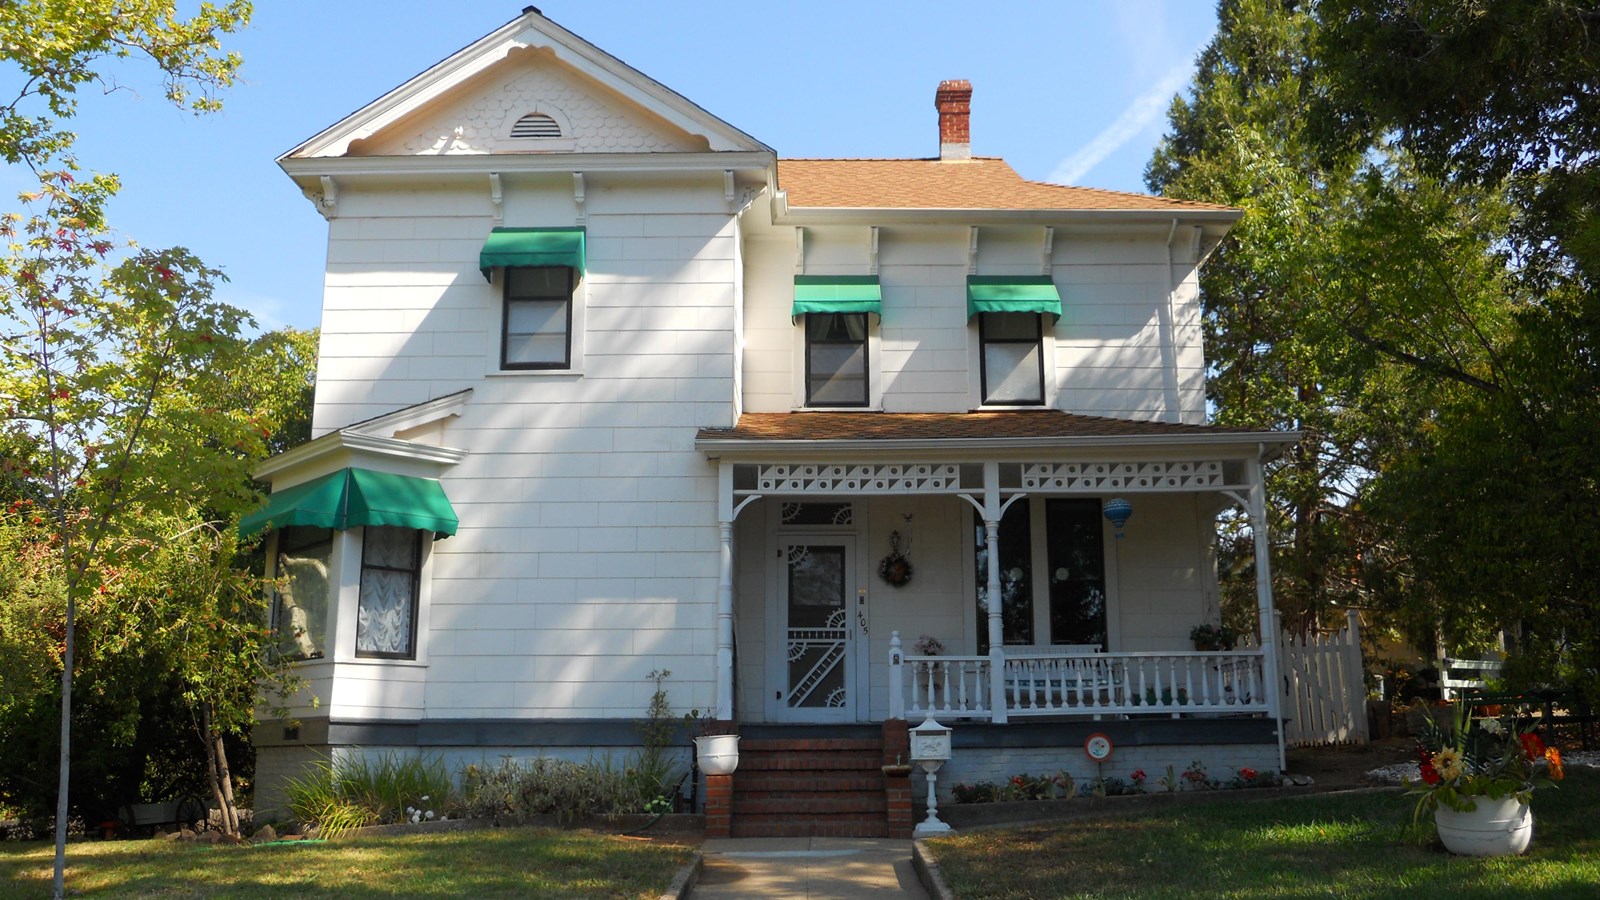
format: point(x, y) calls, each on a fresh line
point(954, 102)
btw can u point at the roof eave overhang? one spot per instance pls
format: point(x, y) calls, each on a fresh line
point(791, 215)
point(306, 171)
point(1240, 445)
point(530, 29)
point(346, 443)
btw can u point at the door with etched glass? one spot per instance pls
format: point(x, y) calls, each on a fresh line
point(817, 600)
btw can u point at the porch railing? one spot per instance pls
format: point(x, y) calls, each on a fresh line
point(1073, 684)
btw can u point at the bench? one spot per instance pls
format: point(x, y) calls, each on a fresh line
point(1465, 676)
point(176, 813)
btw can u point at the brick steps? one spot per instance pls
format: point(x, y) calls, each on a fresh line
point(810, 787)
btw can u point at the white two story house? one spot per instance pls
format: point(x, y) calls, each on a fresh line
point(607, 386)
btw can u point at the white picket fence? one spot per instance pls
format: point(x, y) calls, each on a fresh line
point(1325, 698)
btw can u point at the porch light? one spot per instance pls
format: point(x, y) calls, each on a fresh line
point(1118, 511)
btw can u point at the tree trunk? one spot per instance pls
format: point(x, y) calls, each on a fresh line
point(65, 763)
point(217, 769)
point(230, 811)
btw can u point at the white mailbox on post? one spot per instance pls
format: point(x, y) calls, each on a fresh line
point(930, 747)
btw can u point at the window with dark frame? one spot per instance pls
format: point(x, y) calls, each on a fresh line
point(536, 330)
point(386, 613)
point(1011, 355)
point(1074, 572)
point(836, 359)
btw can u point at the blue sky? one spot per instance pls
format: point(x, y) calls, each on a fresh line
point(1065, 90)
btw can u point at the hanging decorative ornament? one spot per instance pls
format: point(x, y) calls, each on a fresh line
point(1118, 511)
point(895, 568)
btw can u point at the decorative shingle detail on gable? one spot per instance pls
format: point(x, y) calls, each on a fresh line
point(533, 95)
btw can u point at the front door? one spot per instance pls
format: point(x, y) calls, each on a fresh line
point(822, 619)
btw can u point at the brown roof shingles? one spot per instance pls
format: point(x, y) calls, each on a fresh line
point(824, 426)
point(978, 183)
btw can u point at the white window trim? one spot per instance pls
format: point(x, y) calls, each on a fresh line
point(580, 303)
point(797, 365)
point(347, 563)
point(1047, 349)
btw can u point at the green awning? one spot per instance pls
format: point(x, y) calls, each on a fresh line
point(837, 294)
point(532, 247)
point(1012, 293)
point(351, 498)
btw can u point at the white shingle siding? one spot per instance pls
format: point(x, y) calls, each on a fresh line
point(1127, 345)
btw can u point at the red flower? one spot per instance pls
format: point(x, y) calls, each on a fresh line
point(1248, 774)
point(1430, 775)
point(1016, 780)
point(1533, 746)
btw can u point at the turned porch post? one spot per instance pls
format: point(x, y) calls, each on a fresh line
point(991, 538)
point(1264, 605)
point(725, 516)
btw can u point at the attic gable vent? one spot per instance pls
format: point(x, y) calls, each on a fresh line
point(536, 125)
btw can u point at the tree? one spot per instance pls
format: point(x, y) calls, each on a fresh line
point(1323, 310)
point(1498, 502)
point(97, 359)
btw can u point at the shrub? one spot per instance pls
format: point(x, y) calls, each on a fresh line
point(558, 787)
point(338, 797)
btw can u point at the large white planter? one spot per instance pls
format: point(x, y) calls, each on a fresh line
point(717, 754)
point(1495, 828)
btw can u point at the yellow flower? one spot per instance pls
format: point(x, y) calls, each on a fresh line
point(1448, 763)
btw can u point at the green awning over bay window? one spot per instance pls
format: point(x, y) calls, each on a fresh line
point(837, 294)
point(532, 247)
point(1012, 294)
point(353, 498)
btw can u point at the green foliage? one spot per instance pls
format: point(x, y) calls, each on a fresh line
point(1412, 287)
point(359, 790)
point(657, 763)
point(558, 787)
point(1486, 757)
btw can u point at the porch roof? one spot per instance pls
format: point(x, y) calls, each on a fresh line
point(1022, 429)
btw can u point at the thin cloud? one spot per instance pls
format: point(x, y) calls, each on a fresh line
point(1133, 121)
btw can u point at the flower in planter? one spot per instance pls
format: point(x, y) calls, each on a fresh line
point(928, 645)
point(1474, 758)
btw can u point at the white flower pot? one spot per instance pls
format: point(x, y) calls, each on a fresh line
point(1495, 828)
point(717, 754)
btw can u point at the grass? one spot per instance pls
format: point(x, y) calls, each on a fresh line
point(501, 862)
point(1348, 845)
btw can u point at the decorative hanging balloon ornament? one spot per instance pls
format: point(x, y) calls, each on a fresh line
point(1117, 512)
point(895, 568)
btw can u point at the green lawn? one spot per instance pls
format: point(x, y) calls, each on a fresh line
point(1351, 845)
point(504, 862)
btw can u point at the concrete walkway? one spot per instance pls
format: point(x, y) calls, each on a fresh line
point(808, 868)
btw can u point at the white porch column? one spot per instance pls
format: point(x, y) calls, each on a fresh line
point(1264, 605)
point(991, 539)
point(725, 593)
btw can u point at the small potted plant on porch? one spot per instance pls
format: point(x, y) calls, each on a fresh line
point(1209, 637)
point(716, 747)
point(1477, 778)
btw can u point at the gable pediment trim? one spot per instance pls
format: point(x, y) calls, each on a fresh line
point(529, 30)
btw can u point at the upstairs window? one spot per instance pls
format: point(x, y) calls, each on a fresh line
point(836, 359)
point(1012, 356)
point(538, 318)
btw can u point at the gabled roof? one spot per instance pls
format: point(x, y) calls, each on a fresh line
point(977, 183)
point(529, 30)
